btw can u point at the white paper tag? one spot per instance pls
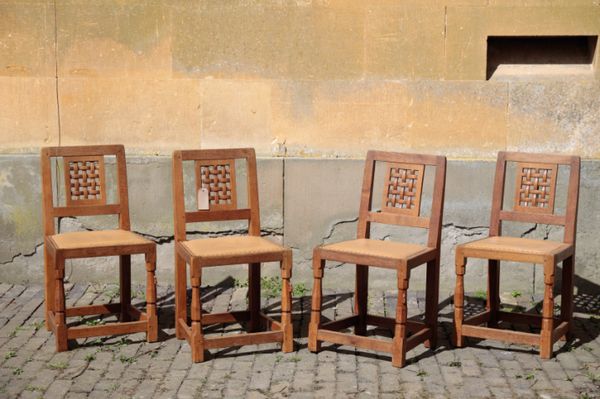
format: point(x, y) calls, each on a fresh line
point(203, 204)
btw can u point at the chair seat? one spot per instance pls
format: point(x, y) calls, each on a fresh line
point(516, 246)
point(224, 247)
point(97, 239)
point(377, 248)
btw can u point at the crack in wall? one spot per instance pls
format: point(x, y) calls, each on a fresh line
point(335, 225)
point(24, 255)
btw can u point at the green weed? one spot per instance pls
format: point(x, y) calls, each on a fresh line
point(57, 366)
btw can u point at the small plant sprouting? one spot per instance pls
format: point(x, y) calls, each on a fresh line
point(126, 359)
point(529, 376)
point(299, 290)
point(595, 378)
point(94, 322)
point(480, 294)
point(237, 283)
point(112, 292)
point(33, 388)
point(16, 331)
point(454, 364)
point(57, 366)
point(422, 373)
point(10, 354)
point(515, 293)
point(37, 325)
point(89, 357)
point(271, 286)
point(138, 294)
point(18, 371)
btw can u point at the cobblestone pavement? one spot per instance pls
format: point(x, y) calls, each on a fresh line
point(127, 366)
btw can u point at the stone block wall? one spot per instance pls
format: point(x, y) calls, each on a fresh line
point(311, 85)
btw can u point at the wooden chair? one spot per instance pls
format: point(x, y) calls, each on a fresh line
point(85, 195)
point(401, 205)
point(215, 173)
point(536, 176)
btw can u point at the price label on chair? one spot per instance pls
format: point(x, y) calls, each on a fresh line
point(203, 203)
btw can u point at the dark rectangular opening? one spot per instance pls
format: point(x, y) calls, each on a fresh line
point(540, 55)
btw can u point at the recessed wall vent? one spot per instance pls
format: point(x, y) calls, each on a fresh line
point(514, 56)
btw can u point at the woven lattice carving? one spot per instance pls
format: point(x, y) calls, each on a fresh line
point(535, 187)
point(218, 177)
point(84, 180)
point(403, 186)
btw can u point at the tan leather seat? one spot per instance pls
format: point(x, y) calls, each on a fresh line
point(517, 245)
point(95, 239)
point(231, 246)
point(377, 248)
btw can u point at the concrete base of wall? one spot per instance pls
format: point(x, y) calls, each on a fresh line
point(304, 203)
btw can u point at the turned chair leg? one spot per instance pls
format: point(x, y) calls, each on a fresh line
point(566, 299)
point(361, 295)
point(459, 296)
point(399, 342)
point(254, 296)
point(49, 279)
point(60, 310)
point(125, 286)
point(286, 303)
point(197, 339)
point(432, 290)
point(152, 334)
point(314, 345)
point(493, 294)
point(180, 295)
point(547, 311)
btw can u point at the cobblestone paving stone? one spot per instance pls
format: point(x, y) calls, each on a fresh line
point(128, 366)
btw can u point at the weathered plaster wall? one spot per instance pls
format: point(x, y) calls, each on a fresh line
point(294, 79)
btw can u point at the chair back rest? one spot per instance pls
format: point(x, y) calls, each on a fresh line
point(215, 173)
point(401, 195)
point(85, 183)
point(535, 191)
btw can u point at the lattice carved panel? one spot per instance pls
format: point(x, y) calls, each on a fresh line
point(218, 177)
point(535, 187)
point(85, 180)
point(403, 187)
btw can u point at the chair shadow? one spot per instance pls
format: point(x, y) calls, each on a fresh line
point(586, 301)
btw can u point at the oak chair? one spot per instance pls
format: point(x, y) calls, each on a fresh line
point(534, 198)
point(215, 175)
point(401, 205)
point(85, 195)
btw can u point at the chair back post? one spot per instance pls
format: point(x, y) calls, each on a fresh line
point(366, 197)
point(122, 184)
point(498, 195)
point(47, 197)
point(434, 239)
point(535, 191)
point(89, 162)
point(253, 202)
point(178, 197)
point(570, 234)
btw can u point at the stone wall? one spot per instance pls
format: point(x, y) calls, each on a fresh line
point(311, 85)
